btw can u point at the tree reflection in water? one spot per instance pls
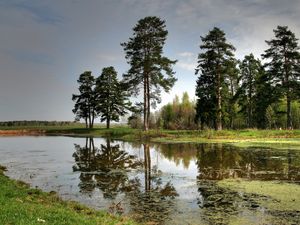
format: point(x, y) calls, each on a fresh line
point(148, 194)
point(104, 168)
point(216, 162)
point(155, 201)
point(108, 167)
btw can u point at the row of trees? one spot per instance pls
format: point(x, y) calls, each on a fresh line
point(149, 70)
point(230, 93)
point(226, 86)
point(104, 97)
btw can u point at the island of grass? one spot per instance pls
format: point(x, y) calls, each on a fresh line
point(25, 206)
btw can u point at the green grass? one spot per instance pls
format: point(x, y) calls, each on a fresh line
point(238, 137)
point(281, 196)
point(21, 205)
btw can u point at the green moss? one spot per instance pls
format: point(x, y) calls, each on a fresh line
point(281, 196)
point(24, 206)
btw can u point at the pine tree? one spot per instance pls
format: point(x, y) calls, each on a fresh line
point(148, 66)
point(266, 94)
point(251, 70)
point(85, 102)
point(212, 84)
point(284, 66)
point(112, 100)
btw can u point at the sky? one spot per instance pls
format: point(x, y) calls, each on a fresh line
point(46, 44)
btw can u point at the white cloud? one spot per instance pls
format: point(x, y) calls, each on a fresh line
point(186, 54)
point(108, 57)
point(187, 66)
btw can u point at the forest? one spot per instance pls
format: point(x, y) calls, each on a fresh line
point(231, 93)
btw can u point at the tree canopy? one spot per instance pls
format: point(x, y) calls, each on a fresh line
point(283, 66)
point(149, 69)
point(112, 99)
point(214, 64)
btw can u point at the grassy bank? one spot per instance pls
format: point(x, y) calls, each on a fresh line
point(238, 137)
point(22, 205)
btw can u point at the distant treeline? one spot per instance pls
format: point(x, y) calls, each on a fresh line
point(35, 123)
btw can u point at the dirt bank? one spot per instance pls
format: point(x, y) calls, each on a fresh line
point(21, 132)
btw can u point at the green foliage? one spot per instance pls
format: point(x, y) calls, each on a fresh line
point(215, 63)
point(148, 67)
point(276, 114)
point(283, 67)
point(178, 115)
point(85, 101)
point(251, 70)
point(112, 99)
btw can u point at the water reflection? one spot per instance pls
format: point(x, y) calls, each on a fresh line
point(114, 171)
point(154, 202)
point(179, 153)
point(218, 161)
point(149, 195)
point(104, 168)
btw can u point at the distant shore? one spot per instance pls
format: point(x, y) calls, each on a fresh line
point(22, 132)
point(238, 137)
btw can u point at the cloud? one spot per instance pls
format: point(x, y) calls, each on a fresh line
point(108, 57)
point(186, 54)
point(39, 11)
point(187, 61)
point(47, 44)
point(187, 66)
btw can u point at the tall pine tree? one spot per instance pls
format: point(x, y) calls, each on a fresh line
point(112, 99)
point(85, 102)
point(149, 69)
point(251, 70)
point(212, 84)
point(284, 66)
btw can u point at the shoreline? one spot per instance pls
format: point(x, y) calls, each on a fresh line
point(236, 137)
point(20, 200)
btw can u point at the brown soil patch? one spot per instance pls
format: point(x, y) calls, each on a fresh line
point(21, 132)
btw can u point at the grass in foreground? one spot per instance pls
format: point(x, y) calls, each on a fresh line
point(21, 205)
point(281, 196)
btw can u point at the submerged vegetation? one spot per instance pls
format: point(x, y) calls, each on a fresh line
point(279, 196)
point(23, 205)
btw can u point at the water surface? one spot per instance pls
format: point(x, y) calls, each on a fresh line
point(158, 183)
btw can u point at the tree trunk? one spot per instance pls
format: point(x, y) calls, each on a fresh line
point(250, 113)
point(145, 104)
point(288, 111)
point(93, 117)
point(286, 86)
point(86, 122)
point(107, 122)
point(90, 118)
point(219, 109)
point(148, 109)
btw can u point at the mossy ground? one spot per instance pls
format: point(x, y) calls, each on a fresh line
point(21, 205)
